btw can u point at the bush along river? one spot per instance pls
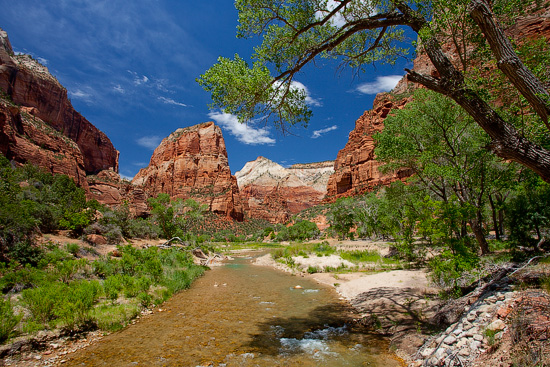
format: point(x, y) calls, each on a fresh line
point(240, 314)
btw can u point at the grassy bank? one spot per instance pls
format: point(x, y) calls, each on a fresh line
point(70, 293)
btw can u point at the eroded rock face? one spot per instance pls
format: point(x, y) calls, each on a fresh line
point(25, 138)
point(108, 188)
point(355, 168)
point(275, 193)
point(29, 84)
point(192, 163)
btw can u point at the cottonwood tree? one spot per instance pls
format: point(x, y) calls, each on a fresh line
point(295, 33)
point(444, 148)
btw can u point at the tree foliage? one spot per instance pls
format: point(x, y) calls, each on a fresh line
point(358, 33)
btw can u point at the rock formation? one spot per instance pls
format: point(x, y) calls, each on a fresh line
point(355, 168)
point(26, 138)
point(192, 163)
point(274, 193)
point(108, 188)
point(27, 83)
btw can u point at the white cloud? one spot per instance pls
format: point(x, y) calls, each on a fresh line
point(83, 93)
point(118, 88)
point(382, 84)
point(243, 132)
point(337, 20)
point(297, 85)
point(138, 79)
point(42, 60)
point(125, 177)
point(318, 133)
point(79, 94)
point(172, 102)
point(150, 142)
point(309, 100)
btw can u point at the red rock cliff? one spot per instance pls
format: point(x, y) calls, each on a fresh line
point(27, 83)
point(192, 163)
point(26, 138)
point(355, 168)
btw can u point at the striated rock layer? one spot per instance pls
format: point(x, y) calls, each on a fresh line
point(192, 163)
point(108, 188)
point(355, 168)
point(275, 193)
point(26, 138)
point(27, 83)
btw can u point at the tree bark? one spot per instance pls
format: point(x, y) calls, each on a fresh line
point(508, 61)
point(477, 228)
point(495, 221)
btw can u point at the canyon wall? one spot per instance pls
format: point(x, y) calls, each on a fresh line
point(27, 83)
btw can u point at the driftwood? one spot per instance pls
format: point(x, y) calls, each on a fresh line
point(168, 243)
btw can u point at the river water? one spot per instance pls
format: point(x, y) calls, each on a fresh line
point(243, 315)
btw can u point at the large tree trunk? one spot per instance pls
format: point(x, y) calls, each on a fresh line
point(508, 61)
point(477, 227)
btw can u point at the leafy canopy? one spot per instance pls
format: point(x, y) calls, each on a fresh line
point(295, 33)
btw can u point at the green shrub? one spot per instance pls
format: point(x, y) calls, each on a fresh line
point(74, 310)
point(179, 279)
point(145, 299)
point(105, 267)
point(42, 301)
point(8, 320)
point(114, 317)
point(73, 249)
point(448, 268)
point(112, 285)
point(66, 270)
point(312, 269)
point(22, 278)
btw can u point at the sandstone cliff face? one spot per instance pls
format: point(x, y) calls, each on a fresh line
point(275, 193)
point(192, 163)
point(355, 168)
point(27, 83)
point(26, 138)
point(108, 188)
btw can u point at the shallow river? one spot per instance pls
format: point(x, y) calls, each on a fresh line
point(243, 315)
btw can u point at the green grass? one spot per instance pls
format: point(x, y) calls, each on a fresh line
point(110, 317)
point(368, 256)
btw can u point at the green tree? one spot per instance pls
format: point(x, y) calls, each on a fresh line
point(295, 33)
point(165, 213)
point(176, 217)
point(441, 144)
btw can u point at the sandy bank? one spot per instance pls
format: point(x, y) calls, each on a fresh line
point(395, 302)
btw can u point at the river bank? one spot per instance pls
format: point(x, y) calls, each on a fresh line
point(504, 321)
point(395, 303)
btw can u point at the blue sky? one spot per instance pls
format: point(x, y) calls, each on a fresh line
point(130, 69)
